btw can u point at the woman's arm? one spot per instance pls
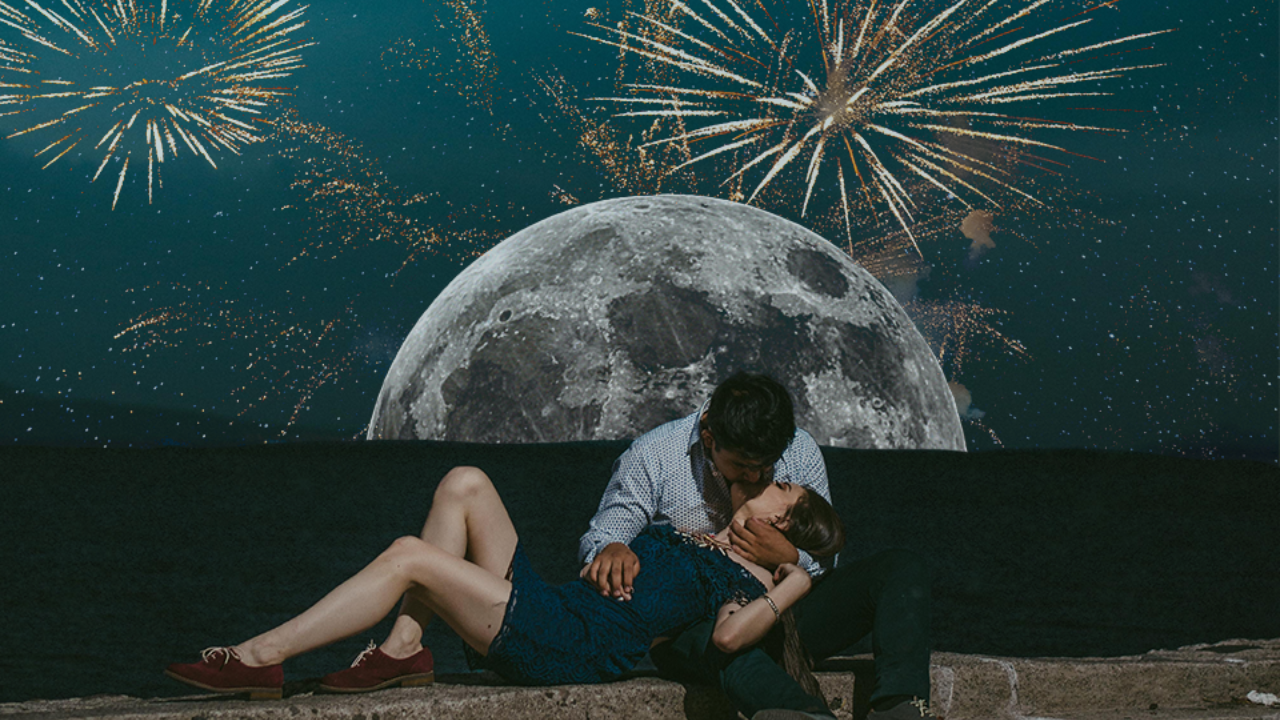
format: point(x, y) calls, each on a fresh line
point(739, 626)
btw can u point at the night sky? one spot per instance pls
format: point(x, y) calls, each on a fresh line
point(265, 299)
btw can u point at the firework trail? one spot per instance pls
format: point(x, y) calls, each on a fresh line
point(882, 246)
point(877, 88)
point(287, 357)
point(970, 414)
point(468, 65)
point(11, 58)
point(983, 426)
point(952, 326)
point(620, 158)
point(350, 202)
point(563, 197)
point(951, 329)
point(97, 82)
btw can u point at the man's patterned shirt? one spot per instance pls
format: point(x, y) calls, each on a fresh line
point(665, 478)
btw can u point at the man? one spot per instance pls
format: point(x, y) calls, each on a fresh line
point(685, 473)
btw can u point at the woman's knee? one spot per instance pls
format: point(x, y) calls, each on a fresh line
point(462, 482)
point(407, 546)
point(409, 555)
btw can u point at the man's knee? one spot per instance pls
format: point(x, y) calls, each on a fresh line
point(462, 482)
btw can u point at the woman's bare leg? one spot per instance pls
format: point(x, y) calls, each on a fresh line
point(468, 597)
point(468, 520)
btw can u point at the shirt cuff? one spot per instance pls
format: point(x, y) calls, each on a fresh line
point(810, 565)
point(590, 547)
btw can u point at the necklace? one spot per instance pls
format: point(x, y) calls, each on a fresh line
point(706, 540)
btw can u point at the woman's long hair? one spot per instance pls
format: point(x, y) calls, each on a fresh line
point(784, 646)
point(815, 528)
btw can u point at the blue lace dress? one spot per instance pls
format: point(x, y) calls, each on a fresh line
point(570, 634)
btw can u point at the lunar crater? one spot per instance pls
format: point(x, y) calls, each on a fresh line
point(609, 319)
point(818, 272)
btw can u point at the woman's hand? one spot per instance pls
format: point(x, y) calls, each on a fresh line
point(795, 572)
point(739, 627)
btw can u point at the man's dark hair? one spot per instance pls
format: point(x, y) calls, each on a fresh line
point(752, 414)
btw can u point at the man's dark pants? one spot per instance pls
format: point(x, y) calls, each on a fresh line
point(886, 594)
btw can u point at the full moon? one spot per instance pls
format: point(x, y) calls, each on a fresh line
point(609, 319)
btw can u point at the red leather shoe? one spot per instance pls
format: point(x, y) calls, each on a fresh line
point(220, 670)
point(375, 670)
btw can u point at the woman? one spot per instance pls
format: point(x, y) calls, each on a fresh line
point(468, 568)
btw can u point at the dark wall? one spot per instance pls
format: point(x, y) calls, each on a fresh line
point(117, 562)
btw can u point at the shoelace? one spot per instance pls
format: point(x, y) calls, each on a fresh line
point(364, 654)
point(227, 653)
point(923, 707)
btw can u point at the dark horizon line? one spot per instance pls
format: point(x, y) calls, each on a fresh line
point(137, 428)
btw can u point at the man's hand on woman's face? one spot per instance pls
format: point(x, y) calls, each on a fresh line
point(613, 571)
point(762, 543)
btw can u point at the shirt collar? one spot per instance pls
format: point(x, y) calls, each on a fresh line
point(695, 435)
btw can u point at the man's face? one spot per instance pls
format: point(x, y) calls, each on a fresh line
point(736, 467)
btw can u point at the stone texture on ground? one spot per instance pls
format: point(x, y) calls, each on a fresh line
point(1200, 682)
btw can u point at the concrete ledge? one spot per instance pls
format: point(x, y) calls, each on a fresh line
point(1201, 682)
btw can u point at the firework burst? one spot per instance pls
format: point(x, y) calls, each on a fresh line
point(883, 90)
point(136, 77)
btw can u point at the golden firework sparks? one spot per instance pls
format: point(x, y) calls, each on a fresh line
point(562, 196)
point(349, 202)
point(348, 199)
point(468, 65)
point(137, 78)
point(621, 158)
point(983, 426)
point(880, 89)
point(952, 326)
point(286, 357)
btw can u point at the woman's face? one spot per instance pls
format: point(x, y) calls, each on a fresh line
point(773, 504)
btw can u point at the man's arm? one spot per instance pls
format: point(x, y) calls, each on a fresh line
point(811, 472)
point(810, 469)
point(628, 504)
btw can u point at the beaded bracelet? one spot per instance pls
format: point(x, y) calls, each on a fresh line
point(776, 615)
